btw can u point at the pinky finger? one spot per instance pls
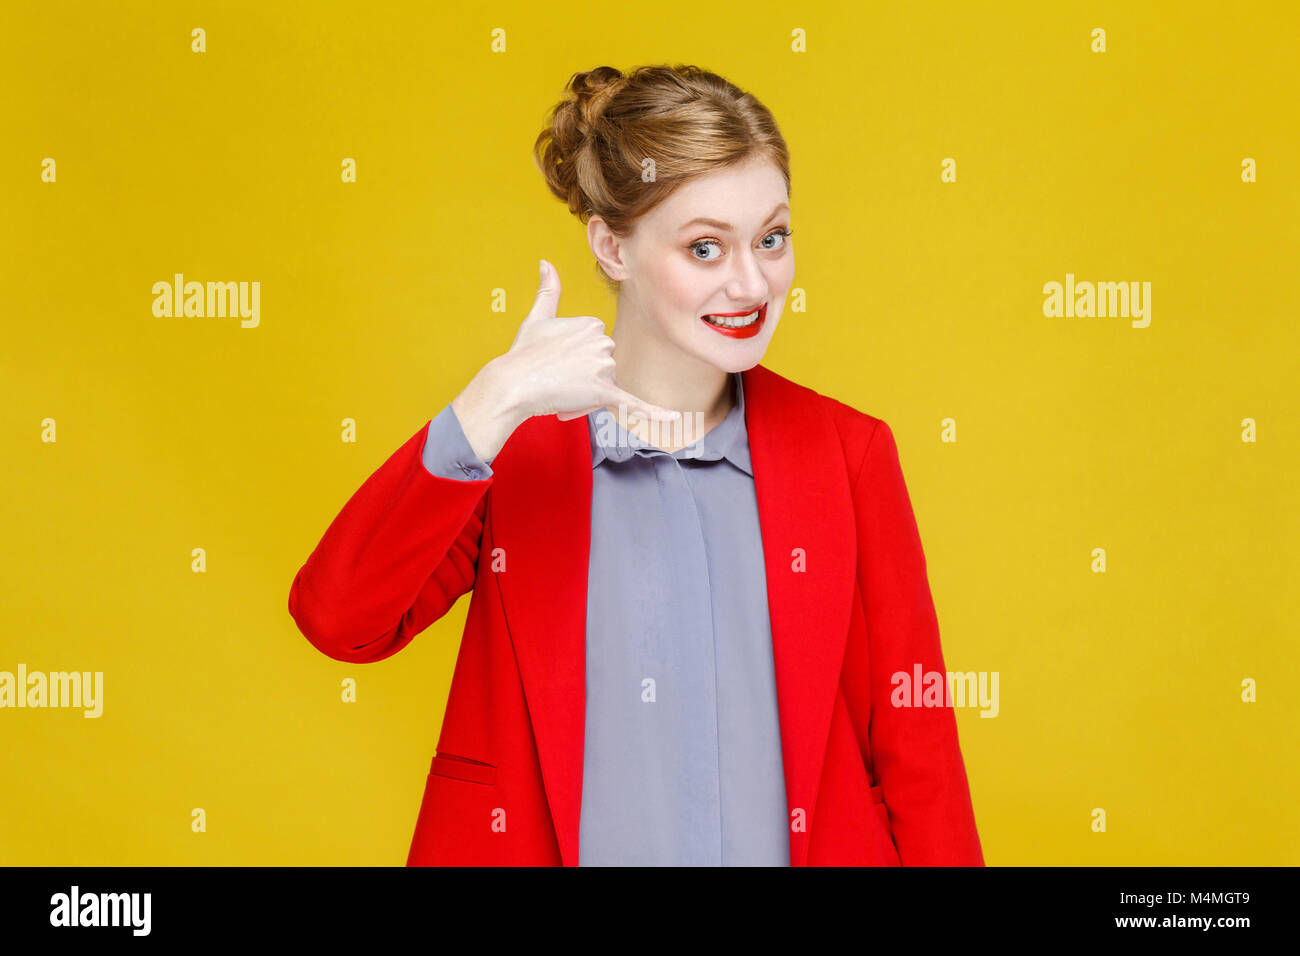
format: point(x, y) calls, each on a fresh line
point(566, 416)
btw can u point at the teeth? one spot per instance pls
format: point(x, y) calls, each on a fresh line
point(733, 322)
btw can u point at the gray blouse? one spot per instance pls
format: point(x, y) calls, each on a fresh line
point(682, 749)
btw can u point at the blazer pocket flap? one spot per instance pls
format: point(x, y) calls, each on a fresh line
point(463, 768)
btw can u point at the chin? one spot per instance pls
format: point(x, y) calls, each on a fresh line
point(736, 363)
point(735, 354)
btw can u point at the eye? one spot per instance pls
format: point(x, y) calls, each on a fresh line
point(776, 234)
point(706, 242)
point(782, 234)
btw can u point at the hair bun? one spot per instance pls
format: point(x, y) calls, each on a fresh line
point(592, 90)
point(572, 121)
point(618, 144)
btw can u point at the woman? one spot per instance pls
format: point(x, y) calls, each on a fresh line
point(681, 641)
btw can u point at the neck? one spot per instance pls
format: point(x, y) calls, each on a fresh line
point(652, 368)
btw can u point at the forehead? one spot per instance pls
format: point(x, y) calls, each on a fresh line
point(743, 195)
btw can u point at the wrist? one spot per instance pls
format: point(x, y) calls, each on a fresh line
point(500, 382)
point(487, 410)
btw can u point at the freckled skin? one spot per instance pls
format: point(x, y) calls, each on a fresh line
point(664, 352)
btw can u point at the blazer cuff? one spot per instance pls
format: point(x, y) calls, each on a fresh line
point(447, 452)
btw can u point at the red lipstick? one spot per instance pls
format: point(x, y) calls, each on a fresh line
point(739, 332)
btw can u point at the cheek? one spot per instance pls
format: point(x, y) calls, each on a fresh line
point(785, 274)
point(682, 290)
point(780, 280)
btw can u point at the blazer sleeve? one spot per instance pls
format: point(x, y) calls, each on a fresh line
point(401, 552)
point(915, 753)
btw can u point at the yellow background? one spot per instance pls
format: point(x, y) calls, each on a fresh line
point(1118, 690)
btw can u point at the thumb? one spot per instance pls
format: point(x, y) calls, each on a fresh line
point(548, 292)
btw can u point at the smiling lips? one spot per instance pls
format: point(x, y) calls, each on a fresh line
point(736, 325)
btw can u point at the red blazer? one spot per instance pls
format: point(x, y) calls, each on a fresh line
point(867, 783)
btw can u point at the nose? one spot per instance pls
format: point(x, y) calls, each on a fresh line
point(746, 284)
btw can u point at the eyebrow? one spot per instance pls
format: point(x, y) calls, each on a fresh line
point(726, 226)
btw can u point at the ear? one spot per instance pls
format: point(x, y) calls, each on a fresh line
point(607, 248)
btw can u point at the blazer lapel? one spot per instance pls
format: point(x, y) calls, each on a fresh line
point(541, 516)
point(805, 511)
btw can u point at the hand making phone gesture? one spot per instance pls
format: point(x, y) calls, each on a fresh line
point(557, 365)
